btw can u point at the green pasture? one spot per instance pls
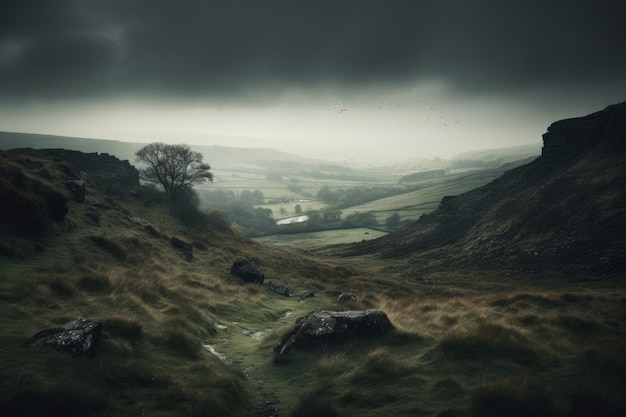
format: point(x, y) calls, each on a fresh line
point(323, 238)
point(411, 205)
point(283, 194)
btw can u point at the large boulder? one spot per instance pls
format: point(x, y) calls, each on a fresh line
point(334, 326)
point(248, 271)
point(79, 337)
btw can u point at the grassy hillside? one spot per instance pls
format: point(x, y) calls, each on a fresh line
point(470, 344)
point(413, 204)
point(563, 212)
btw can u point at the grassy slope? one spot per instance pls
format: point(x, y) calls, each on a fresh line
point(469, 345)
point(413, 204)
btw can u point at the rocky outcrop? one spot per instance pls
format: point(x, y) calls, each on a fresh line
point(78, 338)
point(27, 203)
point(334, 326)
point(100, 170)
point(574, 137)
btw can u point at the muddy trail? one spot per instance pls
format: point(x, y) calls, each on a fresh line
point(267, 402)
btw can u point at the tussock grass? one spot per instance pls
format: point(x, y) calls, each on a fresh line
point(515, 397)
point(110, 247)
point(95, 283)
point(485, 341)
point(54, 401)
point(315, 404)
point(182, 342)
point(332, 363)
point(467, 345)
point(61, 287)
point(446, 388)
point(379, 365)
point(125, 327)
point(524, 300)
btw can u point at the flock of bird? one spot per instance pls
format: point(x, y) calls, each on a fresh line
point(398, 113)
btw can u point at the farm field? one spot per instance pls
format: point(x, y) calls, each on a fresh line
point(413, 204)
point(316, 239)
point(255, 199)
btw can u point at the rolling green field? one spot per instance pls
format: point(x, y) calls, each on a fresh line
point(421, 197)
point(413, 204)
point(316, 239)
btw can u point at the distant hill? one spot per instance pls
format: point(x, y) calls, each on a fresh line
point(508, 154)
point(564, 211)
point(216, 156)
point(493, 158)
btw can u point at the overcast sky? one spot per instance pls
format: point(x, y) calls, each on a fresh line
point(361, 78)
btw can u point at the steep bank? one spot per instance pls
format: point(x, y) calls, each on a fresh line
point(563, 212)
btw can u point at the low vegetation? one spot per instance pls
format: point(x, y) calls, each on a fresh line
point(183, 336)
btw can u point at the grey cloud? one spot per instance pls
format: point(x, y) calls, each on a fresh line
point(221, 47)
point(59, 65)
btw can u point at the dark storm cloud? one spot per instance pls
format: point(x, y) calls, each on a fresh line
point(87, 47)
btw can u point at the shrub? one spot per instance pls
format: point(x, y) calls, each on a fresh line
point(511, 398)
point(186, 208)
point(150, 195)
point(487, 340)
point(218, 220)
point(380, 365)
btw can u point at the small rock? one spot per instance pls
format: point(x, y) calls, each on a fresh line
point(248, 271)
point(279, 288)
point(257, 334)
point(78, 338)
point(140, 221)
point(345, 297)
point(307, 294)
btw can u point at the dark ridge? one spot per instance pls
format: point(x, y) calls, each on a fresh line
point(564, 211)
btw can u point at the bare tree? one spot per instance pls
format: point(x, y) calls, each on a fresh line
point(176, 167)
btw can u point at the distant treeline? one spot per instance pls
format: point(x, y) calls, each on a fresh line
point(257, 221)
point(280, 169)
point(343, 198)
